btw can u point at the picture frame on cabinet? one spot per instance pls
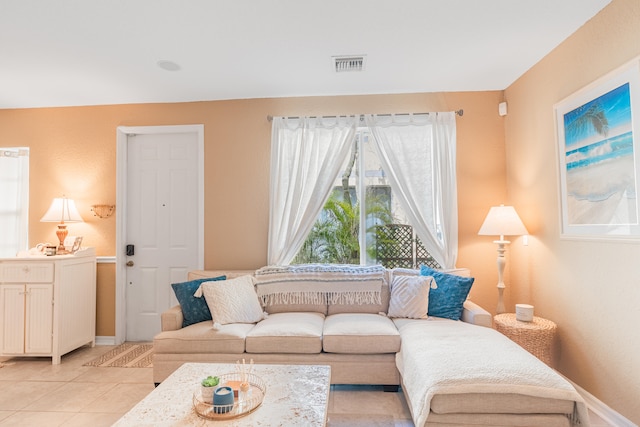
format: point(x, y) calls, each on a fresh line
point(76, 244)
point(597, 130)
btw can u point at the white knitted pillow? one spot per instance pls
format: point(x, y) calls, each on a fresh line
point(232, 301)
point(410, 297)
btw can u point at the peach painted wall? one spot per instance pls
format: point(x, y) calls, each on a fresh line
point(73, 152)
point(590, 289)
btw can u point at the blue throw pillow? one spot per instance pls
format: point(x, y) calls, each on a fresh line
point(447, 300)
point(194, 310)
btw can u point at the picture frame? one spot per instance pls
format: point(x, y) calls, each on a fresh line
point(76, 245)
point(597, 131)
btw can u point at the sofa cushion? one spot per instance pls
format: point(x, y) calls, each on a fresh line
point(232, 301)
point(402, 322)
point(498, 420)
point(202, 338)
point(295, 308)
point(410, 296)
point(194, 310)
point(287, 333)
point(498, 403)
point(360, 333)
point(447, 298)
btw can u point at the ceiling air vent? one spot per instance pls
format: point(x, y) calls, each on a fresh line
point(349, 63)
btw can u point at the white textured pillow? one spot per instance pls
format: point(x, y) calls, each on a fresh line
point(232, 301)
point(410, 297)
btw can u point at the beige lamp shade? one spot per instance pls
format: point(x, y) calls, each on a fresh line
point(502, 221)
point(62, 210)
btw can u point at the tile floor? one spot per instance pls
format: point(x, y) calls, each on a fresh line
point(34, 392)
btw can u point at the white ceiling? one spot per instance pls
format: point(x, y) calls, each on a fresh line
point(90, 52)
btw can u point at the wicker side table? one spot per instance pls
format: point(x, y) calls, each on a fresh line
point(537, 337)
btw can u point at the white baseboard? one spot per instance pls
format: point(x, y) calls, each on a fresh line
point(601, 409)
point(105, 340)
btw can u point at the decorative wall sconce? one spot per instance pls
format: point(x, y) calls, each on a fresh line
point(103, 211)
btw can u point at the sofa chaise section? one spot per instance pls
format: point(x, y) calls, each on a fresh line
point(456, 374)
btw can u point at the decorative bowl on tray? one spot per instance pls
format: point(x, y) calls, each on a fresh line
point(248, 396)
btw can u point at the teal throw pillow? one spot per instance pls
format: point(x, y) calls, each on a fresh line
point(447, 300)
point(194, 310)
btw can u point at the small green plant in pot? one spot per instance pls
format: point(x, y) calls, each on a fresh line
point(209, 384)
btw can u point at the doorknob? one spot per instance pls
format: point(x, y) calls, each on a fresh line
point(129, 263)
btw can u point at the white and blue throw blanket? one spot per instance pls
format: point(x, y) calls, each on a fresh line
point(320, 284)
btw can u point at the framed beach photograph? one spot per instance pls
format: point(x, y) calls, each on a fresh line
point(599, 157)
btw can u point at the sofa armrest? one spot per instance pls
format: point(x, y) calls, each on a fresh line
point(476, 315)
point(172, 318)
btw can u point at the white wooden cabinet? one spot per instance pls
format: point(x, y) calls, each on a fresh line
point(47, 304)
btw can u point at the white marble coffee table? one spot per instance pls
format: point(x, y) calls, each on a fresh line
point(297, 395)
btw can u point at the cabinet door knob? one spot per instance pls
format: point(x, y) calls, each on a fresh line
point(129, 263)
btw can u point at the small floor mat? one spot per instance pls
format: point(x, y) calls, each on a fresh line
point(126, 355)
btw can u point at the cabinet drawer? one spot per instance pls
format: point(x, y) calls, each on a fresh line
point(22, 272)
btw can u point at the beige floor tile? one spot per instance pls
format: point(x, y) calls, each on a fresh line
point(120, 399)
point(368, 400)
point(19, 395)
point(5, 414)
point(596, 421)
point(84, 419)
point(360, 420)
point(71, 397)
point(39, 370)
point(40, 419)
point(117, 375)
point(85, 354)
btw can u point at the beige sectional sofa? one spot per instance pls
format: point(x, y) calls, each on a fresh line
point(365, 346)
point(357, 342)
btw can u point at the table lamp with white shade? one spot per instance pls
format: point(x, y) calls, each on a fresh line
point(62, 211)
point(502, 221)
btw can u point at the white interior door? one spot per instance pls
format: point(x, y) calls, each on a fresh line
point(163, 223)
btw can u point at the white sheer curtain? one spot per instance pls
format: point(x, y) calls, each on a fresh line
point(14, 203)
point(418, 155)
point(306, 157)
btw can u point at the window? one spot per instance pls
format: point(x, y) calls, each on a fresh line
point(341, 183)
point(380, 234)
point(14, 203)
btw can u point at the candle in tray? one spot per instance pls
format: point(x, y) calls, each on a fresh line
point(223, 400)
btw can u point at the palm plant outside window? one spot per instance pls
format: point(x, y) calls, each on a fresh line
point(344, 233)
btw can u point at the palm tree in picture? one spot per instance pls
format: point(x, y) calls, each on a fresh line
point(594, 116)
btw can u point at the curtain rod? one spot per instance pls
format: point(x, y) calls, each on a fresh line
point(459, 112)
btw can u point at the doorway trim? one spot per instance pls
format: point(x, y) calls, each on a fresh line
point(122, 133)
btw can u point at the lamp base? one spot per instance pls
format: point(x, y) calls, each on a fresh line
point(500, 308)
point(501, 262)
point(62, 233)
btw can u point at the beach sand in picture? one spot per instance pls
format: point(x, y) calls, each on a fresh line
point(602, 193)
